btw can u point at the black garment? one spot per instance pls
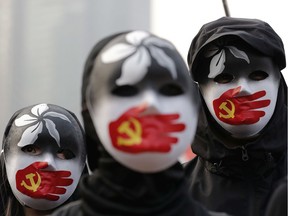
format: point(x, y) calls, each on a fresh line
point(238, 181)
point(73, 208)
point(277, 205)
point(116, 190)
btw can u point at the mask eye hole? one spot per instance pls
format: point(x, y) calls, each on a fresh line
point(32, 150)
point(65, 154)
point(171, 89)
point(224, 78)
point(125, 91)
point(258, 75)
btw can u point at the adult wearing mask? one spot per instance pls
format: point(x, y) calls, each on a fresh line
point(241, 139)
point(139, 107)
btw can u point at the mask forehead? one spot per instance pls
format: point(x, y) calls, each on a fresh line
point(44, 124)
point(133, 58)
point(236, 58)
point(248, 63)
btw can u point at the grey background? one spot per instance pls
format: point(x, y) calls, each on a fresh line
point(44, 44)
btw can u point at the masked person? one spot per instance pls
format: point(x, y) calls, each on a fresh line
point(43, 156)
point(241, 139)
point(140, 107)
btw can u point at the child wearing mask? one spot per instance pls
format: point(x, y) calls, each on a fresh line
point(42, 159)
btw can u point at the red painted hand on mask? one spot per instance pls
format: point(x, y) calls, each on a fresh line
point(37, 183)
point(135, 132)
point(240, 110)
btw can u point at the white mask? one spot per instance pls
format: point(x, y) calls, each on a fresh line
point(240, 90)
point(44, 156)
point(145, 113)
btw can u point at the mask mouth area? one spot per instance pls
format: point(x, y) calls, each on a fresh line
point(134, 132)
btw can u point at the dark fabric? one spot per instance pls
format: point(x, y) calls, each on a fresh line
point(71, 209)
point(277, 205)
point(238, 181)
point(116, 190)
point(246, 195)
point(256, 33)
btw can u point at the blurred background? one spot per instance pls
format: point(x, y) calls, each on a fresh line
point(44, 43)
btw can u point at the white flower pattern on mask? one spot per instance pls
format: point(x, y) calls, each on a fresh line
point(217, 63)
point(37, 121)
point(138, 57)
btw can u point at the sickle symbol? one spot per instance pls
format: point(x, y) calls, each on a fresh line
point(230, 112)
point(33, 186)
point(134, 136)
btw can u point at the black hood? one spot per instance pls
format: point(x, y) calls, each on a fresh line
point(254, 32)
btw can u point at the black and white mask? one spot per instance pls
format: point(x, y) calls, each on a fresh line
point(241, 89)
point(44, 155)
point(142, 101)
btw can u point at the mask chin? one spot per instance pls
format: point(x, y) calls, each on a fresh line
point(243, 131)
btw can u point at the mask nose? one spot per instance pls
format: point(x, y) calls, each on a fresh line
point(245, 87)
point(150, 98)
point(50, 159)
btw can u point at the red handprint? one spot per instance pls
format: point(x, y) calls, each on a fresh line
point(35, 182)
point(240, 110)
point(135, 132)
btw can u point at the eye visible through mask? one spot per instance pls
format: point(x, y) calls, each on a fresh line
point(32, 150)
point(61, 153)
point(171, 90)
point(258, 75)
point(224, 78)
point(125, 91)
